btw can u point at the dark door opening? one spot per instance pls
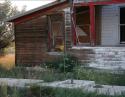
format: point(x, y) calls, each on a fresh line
point(83, 25)
point(122, 25)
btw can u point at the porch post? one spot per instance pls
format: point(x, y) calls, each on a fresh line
point(92, 25)
point(74, 26)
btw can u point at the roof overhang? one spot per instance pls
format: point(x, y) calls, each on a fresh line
point(40, 11)
point(101, 3)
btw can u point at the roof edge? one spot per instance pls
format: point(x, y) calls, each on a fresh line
point(11, 19)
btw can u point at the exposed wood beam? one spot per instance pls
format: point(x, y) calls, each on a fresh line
point(109, 2)
point(83, 12)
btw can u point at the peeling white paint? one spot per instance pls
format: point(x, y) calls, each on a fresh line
point(112, 58)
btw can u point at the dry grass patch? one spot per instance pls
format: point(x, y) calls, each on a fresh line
point(7, 61)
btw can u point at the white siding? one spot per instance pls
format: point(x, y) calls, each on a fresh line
point(110, 25)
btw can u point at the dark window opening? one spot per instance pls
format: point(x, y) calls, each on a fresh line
point(122, 25)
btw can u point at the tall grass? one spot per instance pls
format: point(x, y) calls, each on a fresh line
point(36, 91)
point(100, 77)
point(7, 57)
point(3, 90)
point(49, 75)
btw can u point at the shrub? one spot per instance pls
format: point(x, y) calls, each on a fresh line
point(66, 64)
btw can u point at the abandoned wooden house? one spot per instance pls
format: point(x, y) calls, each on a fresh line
point(92, 30)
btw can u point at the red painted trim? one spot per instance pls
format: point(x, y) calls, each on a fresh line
point(92, 15)
point(109, 2)
point(74, 27)
point(92, 24)
point(101, 3)
point(38, 13)
point(43, 11)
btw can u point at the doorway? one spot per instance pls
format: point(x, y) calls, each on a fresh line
point(122, 25)
point(83, 25)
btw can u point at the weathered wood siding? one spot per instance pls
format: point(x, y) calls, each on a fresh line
point(31, 41)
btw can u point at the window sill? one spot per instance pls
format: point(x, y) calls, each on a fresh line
point(55, 53)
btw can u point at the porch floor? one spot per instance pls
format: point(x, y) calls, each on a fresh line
point(101, 57)
point(97, 46)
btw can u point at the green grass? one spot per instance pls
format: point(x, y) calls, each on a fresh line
point(49, 75)
point(80, 93)
point(35, 91)
point(100, 77)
